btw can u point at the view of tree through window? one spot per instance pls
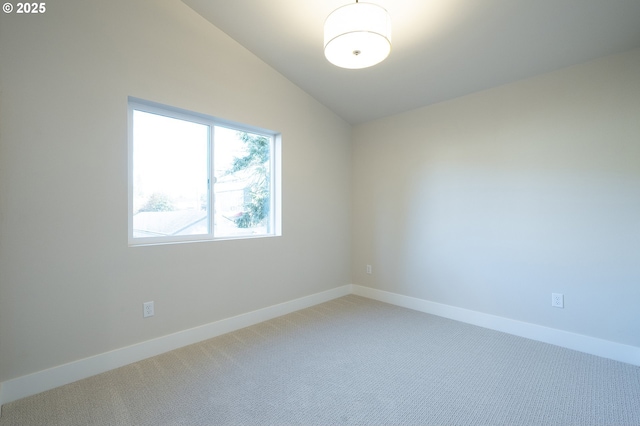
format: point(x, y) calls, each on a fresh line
point(194, 179)
point(243, 182)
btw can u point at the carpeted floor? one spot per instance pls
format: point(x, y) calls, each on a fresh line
point(350, 361)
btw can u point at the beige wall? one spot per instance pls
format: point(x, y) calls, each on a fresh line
point(70, 287)
point(493, 201)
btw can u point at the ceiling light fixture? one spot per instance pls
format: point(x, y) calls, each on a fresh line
point(357, 35)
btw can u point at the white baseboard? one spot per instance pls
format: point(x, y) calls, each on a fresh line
point(20, 387)
point(31, 384)
point(591, 345)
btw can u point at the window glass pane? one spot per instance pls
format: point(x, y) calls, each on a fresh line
point(242, 192)
point(170, 169)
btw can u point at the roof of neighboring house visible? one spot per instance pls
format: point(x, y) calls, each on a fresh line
point(180, 222)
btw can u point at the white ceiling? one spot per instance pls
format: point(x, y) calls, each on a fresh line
point(442, 49)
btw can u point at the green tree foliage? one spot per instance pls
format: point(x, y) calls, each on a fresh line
point(158, 202)
point(256, 163)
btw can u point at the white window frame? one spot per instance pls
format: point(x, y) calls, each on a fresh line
point(275, 171)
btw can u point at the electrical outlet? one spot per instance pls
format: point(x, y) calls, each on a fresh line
point(369, 270)
point(147, 309)
point(557, 300)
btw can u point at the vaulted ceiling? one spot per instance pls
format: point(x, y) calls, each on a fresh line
point(442, 49)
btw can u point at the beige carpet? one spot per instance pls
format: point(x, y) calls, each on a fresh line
point(350, 361)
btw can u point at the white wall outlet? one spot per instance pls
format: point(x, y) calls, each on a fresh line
point(147, 309)
point(557, 300)
point(369, 270)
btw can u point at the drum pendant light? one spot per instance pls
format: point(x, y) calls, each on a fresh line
point(357, 35)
